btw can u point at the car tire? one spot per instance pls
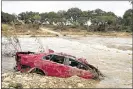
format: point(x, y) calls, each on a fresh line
point(36, 70)
point(15, 68)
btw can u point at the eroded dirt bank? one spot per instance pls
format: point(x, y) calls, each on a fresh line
point(113, 57)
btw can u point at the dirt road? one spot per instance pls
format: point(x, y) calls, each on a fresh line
point(51, 31)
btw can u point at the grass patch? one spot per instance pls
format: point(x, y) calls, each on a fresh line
point(6, 27)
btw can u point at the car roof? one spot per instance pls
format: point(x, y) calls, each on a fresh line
point(63, 54)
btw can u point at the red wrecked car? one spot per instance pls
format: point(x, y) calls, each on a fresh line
point(55, 64)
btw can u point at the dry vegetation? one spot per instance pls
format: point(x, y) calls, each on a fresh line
point(8, 30)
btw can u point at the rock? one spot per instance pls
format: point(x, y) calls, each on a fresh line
point(5, 75)
point(129, 54)
point(27, 86)
point(12, 87)
point(37, 81)
point(69, 86)
point(80, 85)
point(5, 85)
point(27, 78)
point(43, 80)
point(13, 81)
point(7, 79)
point(18, 76)
point(63, 86)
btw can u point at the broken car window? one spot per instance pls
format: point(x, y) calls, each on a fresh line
point(77, 64)
point(73, 63)
point(48, 57)
point(58, 59)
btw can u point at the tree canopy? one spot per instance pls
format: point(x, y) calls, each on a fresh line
point(73, 16)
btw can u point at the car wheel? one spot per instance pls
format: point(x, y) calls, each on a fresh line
point(15, 68)
point(37, 70)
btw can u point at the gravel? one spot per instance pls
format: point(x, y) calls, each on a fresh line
point(32, 80)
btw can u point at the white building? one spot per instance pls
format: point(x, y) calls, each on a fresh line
point(88, 23)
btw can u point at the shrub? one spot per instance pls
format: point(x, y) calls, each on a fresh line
point(5, 27)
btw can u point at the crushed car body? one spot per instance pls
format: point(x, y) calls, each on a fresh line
point(55, 64)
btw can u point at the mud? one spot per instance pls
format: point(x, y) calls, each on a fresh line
point(112, 56)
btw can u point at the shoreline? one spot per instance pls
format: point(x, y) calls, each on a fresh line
point(72, 36)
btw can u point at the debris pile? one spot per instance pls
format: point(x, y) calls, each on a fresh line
point(33, 80)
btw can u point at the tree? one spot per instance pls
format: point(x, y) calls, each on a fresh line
point(73, 14)
point(44, 17)
point(127, 17)
point(37, 17)
point(127, 20)
point(28, 16)
point(7, 18)
point(99, 12)
point(84, 14)
point(61, 15)
point(82, 20)
point(61, 18)
point(103, 20)
point(52, 17)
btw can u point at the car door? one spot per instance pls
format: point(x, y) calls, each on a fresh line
point(54, 67)
point(77, 68)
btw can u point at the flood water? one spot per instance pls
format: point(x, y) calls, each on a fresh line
point(112, 55)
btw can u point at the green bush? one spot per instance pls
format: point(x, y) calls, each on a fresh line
point(126, 28)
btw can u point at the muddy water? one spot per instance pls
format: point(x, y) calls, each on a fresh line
point(113, 56)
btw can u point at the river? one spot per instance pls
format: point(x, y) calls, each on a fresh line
point(112, 55)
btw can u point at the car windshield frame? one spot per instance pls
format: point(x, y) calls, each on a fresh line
point(50, 59)
point(44, 57)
